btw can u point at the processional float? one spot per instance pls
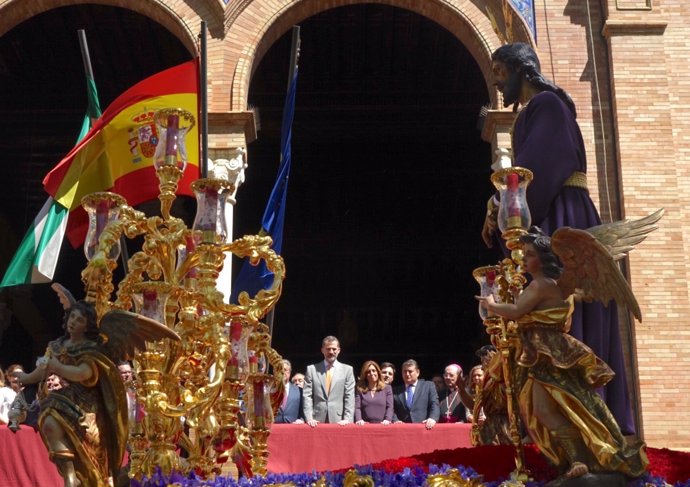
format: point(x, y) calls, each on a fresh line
point(589, 271)
point(209, 394)
point(504, 282)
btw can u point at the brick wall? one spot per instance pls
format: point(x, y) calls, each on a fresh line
point(627, 73)
point(626, 67)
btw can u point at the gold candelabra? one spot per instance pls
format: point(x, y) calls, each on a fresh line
point(504, 282)
point(189, 391)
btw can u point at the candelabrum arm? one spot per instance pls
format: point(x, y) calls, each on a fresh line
point(97, 276)
point(138, 264)
point(159, 401)
point(210, 391)
point(257, 248)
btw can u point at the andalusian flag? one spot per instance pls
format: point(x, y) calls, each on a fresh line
point(37, 256)
point(117, 154)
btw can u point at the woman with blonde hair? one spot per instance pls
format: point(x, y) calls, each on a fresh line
point(373, 398)
point(474, 381)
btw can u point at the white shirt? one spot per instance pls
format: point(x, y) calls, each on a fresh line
point(411, 388)
point(7, 396)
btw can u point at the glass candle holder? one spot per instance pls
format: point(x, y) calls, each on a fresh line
point(238, 364)
point(211, 196)
point(259, 409)
point(172, 124)
point(486, 277)
point(102, 208)
point(192, 240)
point(150, 299)
point(513, 211)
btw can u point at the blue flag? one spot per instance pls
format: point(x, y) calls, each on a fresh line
point(254, 278)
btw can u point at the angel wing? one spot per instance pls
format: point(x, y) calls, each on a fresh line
point(65, 297)
point(589, 266)
point(620, 237)
point(127, 331)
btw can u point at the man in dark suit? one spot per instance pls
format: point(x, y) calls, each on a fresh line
point(417, 400)
point(329, 388)
point(290, 410)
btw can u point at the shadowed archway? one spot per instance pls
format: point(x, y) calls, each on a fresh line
point(387, 191)
point(42, 105)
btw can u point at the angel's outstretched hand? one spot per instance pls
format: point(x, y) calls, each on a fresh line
point(485, 301)
point(54, 366)
point(21, 376)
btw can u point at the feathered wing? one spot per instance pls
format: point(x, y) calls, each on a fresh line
point(588, 266)
point(620, 237)
point(127, 331)
point(65, 297)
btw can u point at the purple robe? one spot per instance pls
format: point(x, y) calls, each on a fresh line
point(547, 141)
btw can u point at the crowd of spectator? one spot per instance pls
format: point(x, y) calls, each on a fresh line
point(329, 392)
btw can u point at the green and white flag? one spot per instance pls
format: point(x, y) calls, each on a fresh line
point(37, 256)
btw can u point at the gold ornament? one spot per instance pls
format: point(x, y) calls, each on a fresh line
point(453, 478)
point(190, 390)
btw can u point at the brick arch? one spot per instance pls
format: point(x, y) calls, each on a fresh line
point(14, 12)
point(260, 23)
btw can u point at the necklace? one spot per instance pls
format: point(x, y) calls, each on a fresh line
point(450, 403)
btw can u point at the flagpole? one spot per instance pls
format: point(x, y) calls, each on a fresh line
point(86, 58)
point(85, 53)
point(294, 58)
point(203, 102)
point(294, 54)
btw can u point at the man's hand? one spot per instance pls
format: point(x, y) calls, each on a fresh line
point(360, 422)
point(429, 423)
point(312, 423)
point(490, 222)
point(298, 421)
point(385, 421)
point(489, 229)
point(343, 422)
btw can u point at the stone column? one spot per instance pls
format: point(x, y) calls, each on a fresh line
point(231, 170)
point(228, 134)
point(498, 127)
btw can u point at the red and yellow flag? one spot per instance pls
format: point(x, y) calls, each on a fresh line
point(117, 154)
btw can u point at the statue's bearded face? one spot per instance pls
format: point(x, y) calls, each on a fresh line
point(508, 82)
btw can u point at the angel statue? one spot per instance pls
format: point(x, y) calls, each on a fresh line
point(84, 424)
point(558, 374)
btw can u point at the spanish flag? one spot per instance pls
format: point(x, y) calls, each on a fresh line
point(117, 154)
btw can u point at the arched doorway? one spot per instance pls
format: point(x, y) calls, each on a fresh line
point(387, 190)
point(42, 105)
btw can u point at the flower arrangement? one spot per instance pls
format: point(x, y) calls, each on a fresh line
point(490, 467)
